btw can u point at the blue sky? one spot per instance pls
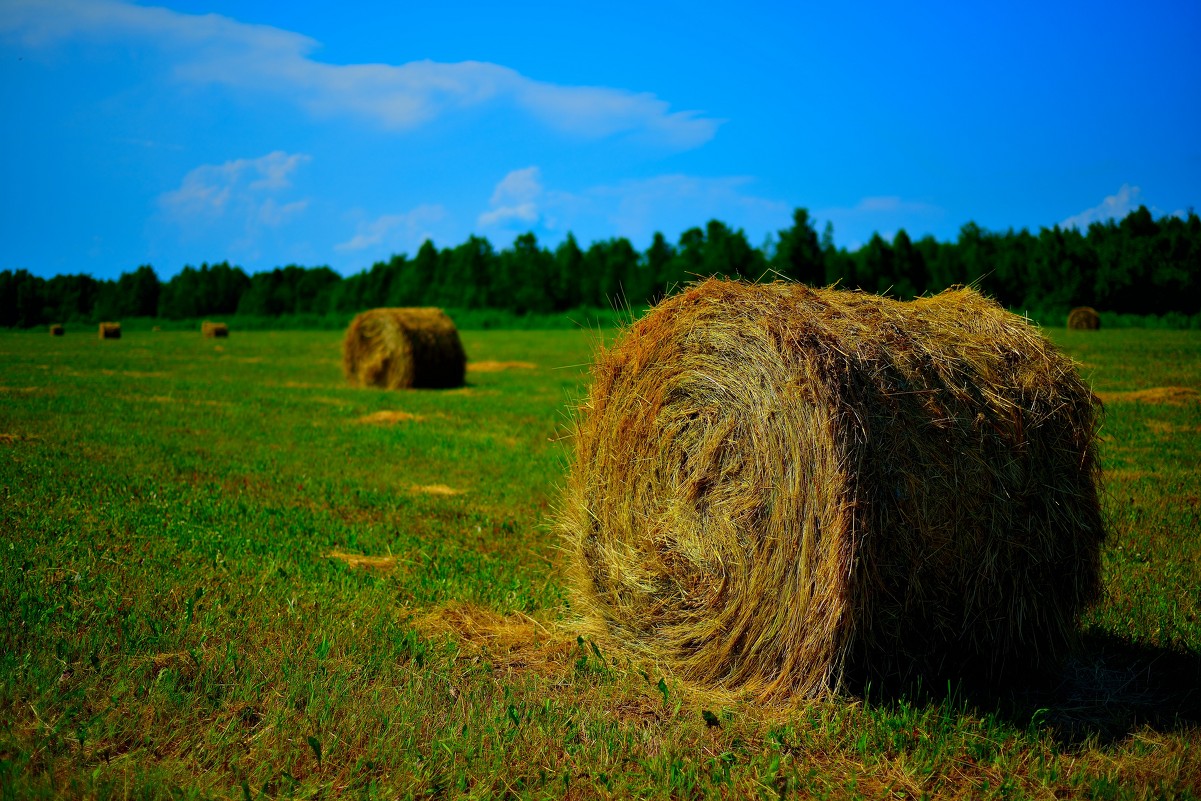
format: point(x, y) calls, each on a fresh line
point(269, 134)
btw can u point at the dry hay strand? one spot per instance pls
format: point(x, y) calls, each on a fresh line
point(790, 491)
point(402, 349)
point(388, 418)
point(435, 489)
point(1084, 318)
point(57, 330)
point(110, 330)
point(1169, 396)
point(515, 642)
point(214, 330)
point(358, 560)
point(498, 367)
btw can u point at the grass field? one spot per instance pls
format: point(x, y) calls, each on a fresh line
point(226, 573)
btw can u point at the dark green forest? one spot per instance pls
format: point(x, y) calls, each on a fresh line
point(1136, 266)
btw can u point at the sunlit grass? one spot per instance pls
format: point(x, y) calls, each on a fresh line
point(224, 573)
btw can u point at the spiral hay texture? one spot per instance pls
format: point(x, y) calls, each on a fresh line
point(403, 348)
point(792, 491)
point(1084, 318)
point(214, 330)
point(110, 330)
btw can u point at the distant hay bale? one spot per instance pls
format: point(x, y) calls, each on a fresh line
point(57, 330)
point(1084, 318)
point(790, 490)
point(403, 348)
point(213, 330)
point(110, 330)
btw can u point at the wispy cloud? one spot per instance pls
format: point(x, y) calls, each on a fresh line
point(1113, 207)
point(212, 49)
point(515, 200)
point(241, 186)
point(883, 214)
point(635, 209)
point(396, 231)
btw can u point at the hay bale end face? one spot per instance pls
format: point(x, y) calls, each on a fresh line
point(213, 330)
point(402, 349)
point(1084, 318)
point(110, 330)
point(57, 330)
point(791, 490)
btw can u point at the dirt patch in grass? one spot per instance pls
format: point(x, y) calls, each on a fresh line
point(358, 560)
point(498, 367)
point(390, 417)
point(1171, 396)
point(435, 489)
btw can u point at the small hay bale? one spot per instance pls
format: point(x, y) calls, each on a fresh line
point(402, 349)
point(57, 330)
point(212, 330)
point(1084, 318)
point(110, 330)
point(791, 491)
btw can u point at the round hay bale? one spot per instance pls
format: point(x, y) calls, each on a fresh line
point(1084, 318)
point(57, 330)
point(110, 330)
point(792, 490)
point(213, 330)
point(403, 348)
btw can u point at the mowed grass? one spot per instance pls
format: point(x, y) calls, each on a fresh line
point(225, 573)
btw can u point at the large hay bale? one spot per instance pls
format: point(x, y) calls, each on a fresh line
point(110, 330)
point(789, 490)
point(1084, 318)
point(214, 330)
point(57, 330)
point(403, 348)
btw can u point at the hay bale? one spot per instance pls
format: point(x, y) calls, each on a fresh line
point(110, 330)
point(791, 490)
point(1084, 318)
point(57, 330)
point(403, 348)
point(212, 330)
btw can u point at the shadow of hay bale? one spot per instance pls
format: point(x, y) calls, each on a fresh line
point(403, 349)
point(793, 491)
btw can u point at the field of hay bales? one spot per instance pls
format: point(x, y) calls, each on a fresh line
point(227, 572)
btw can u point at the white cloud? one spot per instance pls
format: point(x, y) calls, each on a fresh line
point(212, 49)
point(1113, 207)
point(401, 231)
point(515, 200)
point(238, 187)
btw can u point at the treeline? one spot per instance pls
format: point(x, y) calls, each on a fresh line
point(1139, 265)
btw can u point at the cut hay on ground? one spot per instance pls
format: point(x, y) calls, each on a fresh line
point(435, 489)
point(498, 367)
point(1165, 396)
point(213, 330)
point(358, 560)
point(1084, 318)
point(110, 330)
point(403, 348)
point(57, 330)
point(788, 490)
point(387, 418)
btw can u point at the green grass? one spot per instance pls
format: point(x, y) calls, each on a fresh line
point(172, 625)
